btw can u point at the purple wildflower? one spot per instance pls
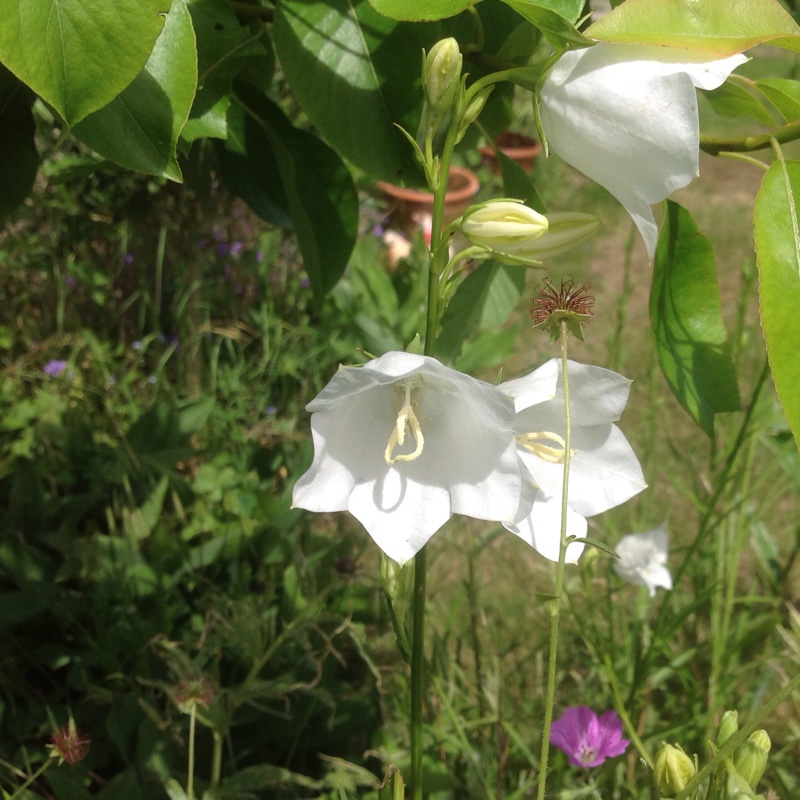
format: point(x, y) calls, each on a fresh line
point(270, 410)
point(236, 248)
point(129, 258)
point(304, 283)
point(54, 367)
point(587, 740)
point(222, 249)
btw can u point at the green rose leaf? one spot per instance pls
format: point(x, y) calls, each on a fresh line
point(353, 70)
point(78, 54)
point(718, 27)
point(685, 314)
point(415, 11)
point(777, 235)
point(317, 190)
point(20, 160)
point(139, 128)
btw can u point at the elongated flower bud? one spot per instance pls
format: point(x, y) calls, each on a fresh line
point(750, 758)
point(472, 111)
point(441, 74)
point(728, 725)
point(504, 226)
point(566, 229)
point(673, 769)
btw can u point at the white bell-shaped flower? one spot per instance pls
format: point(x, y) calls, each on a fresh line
point(643, 559)
point(404, 442)
point(604, 470)
point(625, 115)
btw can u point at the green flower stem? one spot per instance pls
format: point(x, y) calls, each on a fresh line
point(734, 741)
point(190, 777)
point(418, 670)
point(623, 713)
point(562, 554)
point(716, 145)
point(31, 779)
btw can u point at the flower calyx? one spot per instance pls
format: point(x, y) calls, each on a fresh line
point(569, 303)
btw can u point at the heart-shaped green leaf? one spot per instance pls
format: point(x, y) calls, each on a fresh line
point(78, 54)
point(718, 27)
point(777, 235)
point(357, 75)
point(685, 314)
point(139, 128)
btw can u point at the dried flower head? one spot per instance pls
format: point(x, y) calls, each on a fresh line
point(67, 744)
point(570, 302)
point(189, 693)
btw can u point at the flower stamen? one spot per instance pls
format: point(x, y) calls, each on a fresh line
point(533, 443)
point(406, 419)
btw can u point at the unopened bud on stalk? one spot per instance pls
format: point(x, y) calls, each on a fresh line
point(728, 725)
point(750, 757)
point(673, 769)
point(472, 111)
point(504, 227)
point(441, 74)
point(566, 229)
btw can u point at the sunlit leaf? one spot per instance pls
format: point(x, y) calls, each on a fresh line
point(777, 234)
point(139, 128)
point(685, 313)
point(417, 11)
point(718, 27)
point(558, 30)
point(730, 100)
point(784, 94)
point(78, 54)
point(483, 301)
point(352, 71)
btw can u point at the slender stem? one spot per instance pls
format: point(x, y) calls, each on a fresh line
point(716, 145)
point(190, 777)
point(216, 761)
point(31, 779)
point(418, 671)
point(562, 554)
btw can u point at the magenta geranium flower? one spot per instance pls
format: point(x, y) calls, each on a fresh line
point(587, 739)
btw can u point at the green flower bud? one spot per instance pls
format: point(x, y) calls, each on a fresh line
point(673, 770)
point(441, 74)
point(750, 757)
point(472, 111)
point(728, 725)
point(504, 227)
point(566, 229)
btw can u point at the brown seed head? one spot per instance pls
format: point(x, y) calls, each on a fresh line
point(570, 302)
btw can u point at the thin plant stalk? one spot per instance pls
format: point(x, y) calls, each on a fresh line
point(190, 777)
point(560, 569)
point(36, 775)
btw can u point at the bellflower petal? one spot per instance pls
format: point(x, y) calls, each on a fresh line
point(643, 558)
point(404, 442)
point(604, 470)
point(626, 116)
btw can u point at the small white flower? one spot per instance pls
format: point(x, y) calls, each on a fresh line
point(404, 442)
point(604, 470)
point(643, 557)
point(625, 116)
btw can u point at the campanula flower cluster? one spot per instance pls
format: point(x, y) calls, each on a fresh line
point(404, 442)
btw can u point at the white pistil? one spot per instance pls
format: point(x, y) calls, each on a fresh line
point(406, 418)
point(533, 443)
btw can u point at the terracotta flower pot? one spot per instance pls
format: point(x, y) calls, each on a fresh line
point(409, 208)
point(516, 146)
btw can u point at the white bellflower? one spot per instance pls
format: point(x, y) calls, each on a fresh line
point(404, 442)
point(643, 559)
point(625, 115)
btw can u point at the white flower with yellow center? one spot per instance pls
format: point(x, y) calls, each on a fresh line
point(403, 443)
point(604, 470)
point(643, 559)
point(625, 115)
